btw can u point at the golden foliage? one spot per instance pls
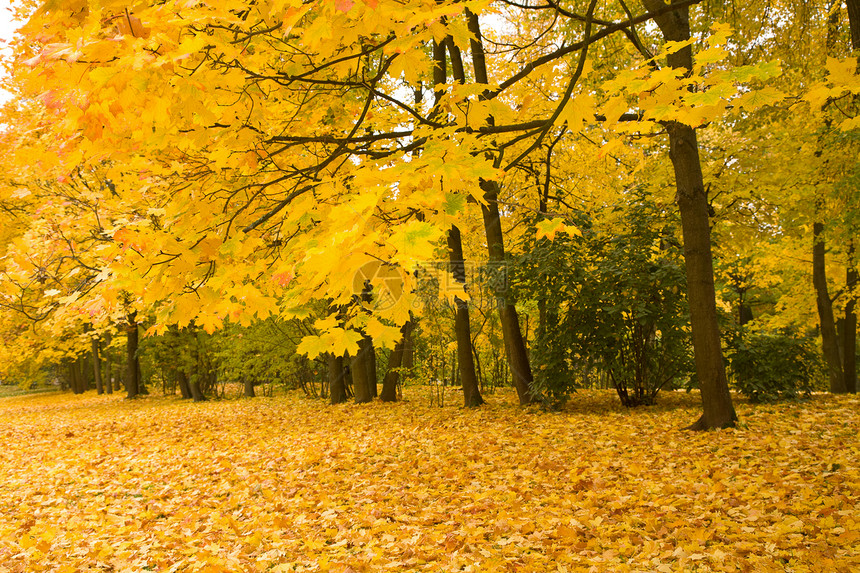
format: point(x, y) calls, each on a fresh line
point(289, 484)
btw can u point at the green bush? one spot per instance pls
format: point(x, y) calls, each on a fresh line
point(767, 367)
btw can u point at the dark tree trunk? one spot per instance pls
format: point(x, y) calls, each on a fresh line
point(514, 345)
point(336, 379)
point(854, 22)
point(829, 339)
point(849, 333)
point(132, 370)
point(850, 336)
point(392, 377)
point(75, 377)
point(718, 410)
point(108, 382)
point(358, 365)
point(184, 387)
point(370, 366)
point(462, 330)
point(194, 385)
point(97, 366)
point(249, 388)
point(83, 374)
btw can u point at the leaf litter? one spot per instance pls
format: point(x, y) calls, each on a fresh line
point(290, 484)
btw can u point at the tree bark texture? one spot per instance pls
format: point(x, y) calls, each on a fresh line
point(97, 366)
point(336, 382)
point(184, 387)
point(132, 370)
point(360, 381)
point(514, 345)
point(827, 323)
point(717, 408)
point(849, 334)
point(462, 329)
point(395, 362)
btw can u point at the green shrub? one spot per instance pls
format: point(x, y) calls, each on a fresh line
point(767, 367)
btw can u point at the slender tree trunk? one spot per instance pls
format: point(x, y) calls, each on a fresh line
point(97, 366)
point(829, 339)
point(514, 345)
point(849, 333)
point(370, 368)
point(108, 381)
point(462, 328)
point(132, 374)
point(718, 410)
point(336, 379)
point(392, 377)
point(850, 338)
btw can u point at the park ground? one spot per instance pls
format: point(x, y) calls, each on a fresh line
point(98, 483)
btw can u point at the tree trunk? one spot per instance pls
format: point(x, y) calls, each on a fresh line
point(336, 382)
point(184, 387)
point(97, 366)
point(370, 364)
point(75, 378)
point(360, 381)
point(515, 347)
point(392, 377)
point(849, 333)
point(718, 410)
point(194, 385)
point(829, 340)
point(249, 387)
point(462, 329)
point(854, 22)
point(132, 370)
point(108, 381)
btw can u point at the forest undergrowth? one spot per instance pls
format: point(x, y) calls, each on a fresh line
point(93, 483)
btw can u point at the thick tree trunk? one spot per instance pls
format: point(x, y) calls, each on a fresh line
point(360, 381)
point(196, 392)
point(514, 345)
point(336, 382)
point(854, 22)
point(392, 377)
point(249, 388)
point(75, 377)
point(829, 339)
point(718, 410)
point(132, 370)
point(97, 366)
point(184, 387)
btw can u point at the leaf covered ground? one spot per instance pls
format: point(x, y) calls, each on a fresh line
point(289, 484)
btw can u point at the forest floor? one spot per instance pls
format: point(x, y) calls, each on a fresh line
point(97, 483)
